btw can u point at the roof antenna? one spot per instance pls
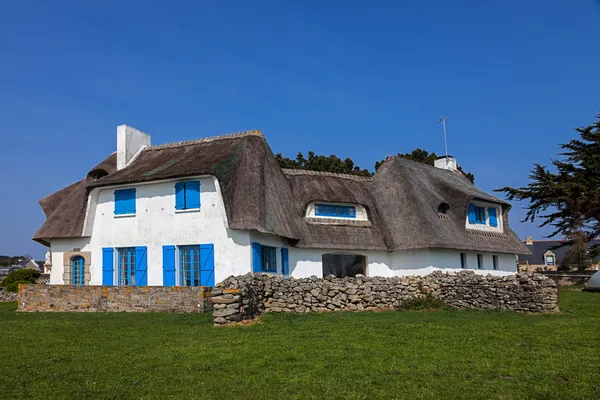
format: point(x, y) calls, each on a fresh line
point(443, 121)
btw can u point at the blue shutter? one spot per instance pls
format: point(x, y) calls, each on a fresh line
point(179, 196)
point(125, 201)
point(285, 269)
point(107, 266)
point(493, 218)
point(472, 214)
point(256, 264)
point(141, 266)
point(207, 265)
point(168, 265)
point(192, 194)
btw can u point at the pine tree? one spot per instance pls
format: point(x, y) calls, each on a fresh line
point(568, 199)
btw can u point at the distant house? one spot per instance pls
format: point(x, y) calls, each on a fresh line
point(192, 213)
point(545, 257)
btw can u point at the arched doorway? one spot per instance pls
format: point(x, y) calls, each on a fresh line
point(77, 270)
point(342, 264)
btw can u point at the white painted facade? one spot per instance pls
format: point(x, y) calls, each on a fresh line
point(156, 223)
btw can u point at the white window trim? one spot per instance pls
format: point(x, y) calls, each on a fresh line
point(486, 227)
point(360, 211)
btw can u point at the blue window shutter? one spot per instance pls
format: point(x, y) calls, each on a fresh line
point(285, 268)
point(472, 214)
point(141, 266)
point(192, 194)
point(180, 196)
point(168, 265)
point(107, 266)
point(256, 264)
point(207, 265)
point(493, 218)
point(125, 201)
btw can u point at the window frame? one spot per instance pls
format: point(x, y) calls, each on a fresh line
point(129, 196)
point(126, 277)
point(268, 265)
point(186, 193)
point(480, 264)
point(195, 262)
point(464, 264)
point(553, 263)
point(495, 262)
point(78, 279)
point(335, 210)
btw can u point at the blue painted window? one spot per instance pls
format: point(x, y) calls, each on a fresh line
point(124, 201)
point(187, 195)
point(169, 265)
point(189, 265)
point(330, 210)
point(108, 270)
point(264, 258)
point(126, 266)
point(78, 271)
point(477, 215)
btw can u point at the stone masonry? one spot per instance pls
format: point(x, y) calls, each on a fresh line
point(114, 298)
point(251, 295)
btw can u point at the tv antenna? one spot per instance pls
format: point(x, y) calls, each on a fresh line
point(443, 121)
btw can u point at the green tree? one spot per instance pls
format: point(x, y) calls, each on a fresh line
point(425, 157)
point(323, 163)
point(568, 199)
point(578, 256)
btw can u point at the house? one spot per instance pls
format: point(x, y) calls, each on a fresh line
point(195, 212)
point(545, 255)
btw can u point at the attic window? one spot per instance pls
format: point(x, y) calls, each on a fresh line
point(97, 174)
point(335, 211)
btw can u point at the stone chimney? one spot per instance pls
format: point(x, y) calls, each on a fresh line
point(130, 142)
point(448, 163)
point(529, 241)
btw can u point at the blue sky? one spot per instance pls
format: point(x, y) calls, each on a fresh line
point(357, 79)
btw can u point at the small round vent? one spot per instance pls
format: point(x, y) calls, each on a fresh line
point(443, 208)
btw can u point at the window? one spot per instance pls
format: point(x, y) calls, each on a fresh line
point(550, 259)
point(336, 211)
point(495, 260)
point(463, 260)
point(268, 259)
point(264, 258)
point(187, 195)
point(124, 201)
point(477, 214)
point(479, 261)
point(78, 271)
point(126, 266)
point(189, 266)
point(493, 217)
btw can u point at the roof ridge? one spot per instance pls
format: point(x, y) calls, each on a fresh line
point(234, 135)
point(289, 171)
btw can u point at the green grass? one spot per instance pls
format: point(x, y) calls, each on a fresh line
point(400, 354)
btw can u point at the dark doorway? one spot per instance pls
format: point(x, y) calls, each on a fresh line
point(342, 265)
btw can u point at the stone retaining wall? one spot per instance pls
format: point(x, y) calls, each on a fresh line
point(7, 296)
point(249, 296)
point(114, 298)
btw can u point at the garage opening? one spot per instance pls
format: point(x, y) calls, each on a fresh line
point(342, 265)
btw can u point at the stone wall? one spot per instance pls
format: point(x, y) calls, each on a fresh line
point(569, 278)
point(255, 294)
point(114, 299)
point(7, 296)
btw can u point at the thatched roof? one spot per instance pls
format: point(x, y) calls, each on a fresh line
point(401, 199)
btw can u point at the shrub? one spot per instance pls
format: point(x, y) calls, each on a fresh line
point(12, 280)
point(427, 302)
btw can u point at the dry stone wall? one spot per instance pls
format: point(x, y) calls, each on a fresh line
point(114, 298)
point(252, 295)
point(7, 296)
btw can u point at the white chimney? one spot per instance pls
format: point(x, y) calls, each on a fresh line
point(130, 143)
point(448, 162)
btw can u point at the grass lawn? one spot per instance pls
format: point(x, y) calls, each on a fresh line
point(398, 354)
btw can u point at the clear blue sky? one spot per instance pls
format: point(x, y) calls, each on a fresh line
point(358, 79)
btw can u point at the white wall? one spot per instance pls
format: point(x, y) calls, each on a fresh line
point(157, 223)
point(58, 247)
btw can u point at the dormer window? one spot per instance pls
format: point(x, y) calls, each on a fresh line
point(483, 216)
point(335, 211)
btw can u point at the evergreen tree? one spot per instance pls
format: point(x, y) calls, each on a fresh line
point(568, 199)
